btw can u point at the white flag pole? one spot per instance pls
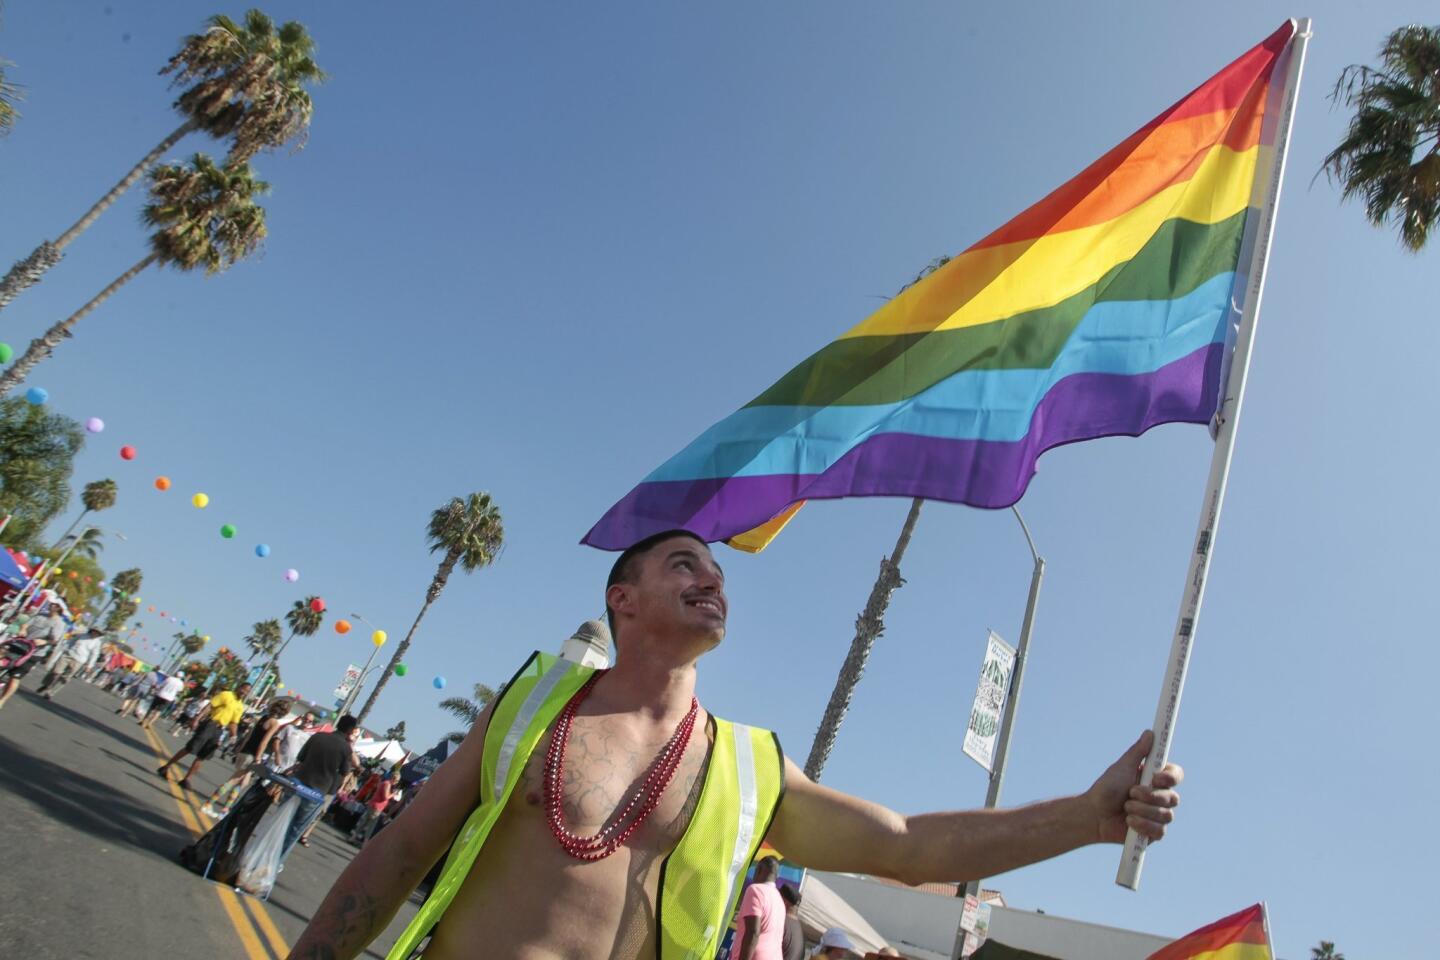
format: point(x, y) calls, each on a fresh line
point(1228, 415)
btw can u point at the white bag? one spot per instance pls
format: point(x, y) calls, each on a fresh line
point(260, 860)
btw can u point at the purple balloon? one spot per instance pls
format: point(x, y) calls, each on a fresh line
point(94, 425)
point(292, 575)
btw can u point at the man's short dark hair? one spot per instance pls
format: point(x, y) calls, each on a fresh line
point(345, 724)
point(624, 569)
point(790, 895)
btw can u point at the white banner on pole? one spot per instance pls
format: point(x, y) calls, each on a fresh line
point(351, 678)
point(984, 727)
point(975, 921)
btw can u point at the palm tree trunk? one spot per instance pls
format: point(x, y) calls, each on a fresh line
point(868, 627)
point(61, 542)
point(27, 272)
point(270, 669)
point(42, 347)
point(442, 574)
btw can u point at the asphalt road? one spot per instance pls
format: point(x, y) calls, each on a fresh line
point(89, 834)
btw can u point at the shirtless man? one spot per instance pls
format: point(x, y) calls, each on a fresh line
point(527, 897)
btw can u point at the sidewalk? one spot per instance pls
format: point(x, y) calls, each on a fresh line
point(88, 837)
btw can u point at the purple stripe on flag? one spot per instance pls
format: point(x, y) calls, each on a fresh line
point(981, 473)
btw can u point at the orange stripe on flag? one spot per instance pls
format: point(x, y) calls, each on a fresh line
point(1240, 936)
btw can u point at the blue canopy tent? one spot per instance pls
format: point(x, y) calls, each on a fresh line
point(10, 573)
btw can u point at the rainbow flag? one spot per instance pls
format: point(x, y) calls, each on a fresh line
point(1240, 936)
point(1103, 310)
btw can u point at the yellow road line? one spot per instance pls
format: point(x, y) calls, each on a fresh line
point(245, 928)
point(261, 916)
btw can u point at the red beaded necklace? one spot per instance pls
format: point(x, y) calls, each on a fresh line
point(646, 797)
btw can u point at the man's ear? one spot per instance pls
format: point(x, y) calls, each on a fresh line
point(620, 597)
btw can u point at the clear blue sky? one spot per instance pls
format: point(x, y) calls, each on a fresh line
point(535, 251)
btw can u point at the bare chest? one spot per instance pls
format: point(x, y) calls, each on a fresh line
point(605, 765)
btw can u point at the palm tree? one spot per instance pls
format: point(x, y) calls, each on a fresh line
point(9, 96)
point(467, 710)
point(97, 495)
point(188, 644)
point(246, 82)
point(1325, 951)
point(123, 583)
point(89, 543)
point(304, 620)
point(396, 733)
point(467, 531)
point(127, 581)
point(203, 215)
point(264, 638)
point(1390, 154)
point(226, 670)
point(871, 621)
point(37, 457)
point(119, 614)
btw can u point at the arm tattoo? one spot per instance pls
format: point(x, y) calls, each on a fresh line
point(351, 921)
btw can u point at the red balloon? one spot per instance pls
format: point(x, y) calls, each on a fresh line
point(127, 452)
point(317, 605)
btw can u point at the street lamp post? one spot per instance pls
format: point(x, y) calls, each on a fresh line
point(365, 672)
point(1012, 701)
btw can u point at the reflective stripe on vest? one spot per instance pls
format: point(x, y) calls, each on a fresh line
point(699, 880)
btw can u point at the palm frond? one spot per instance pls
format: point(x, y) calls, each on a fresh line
point(1389, 157)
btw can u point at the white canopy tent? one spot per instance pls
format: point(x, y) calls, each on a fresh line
point(822, 908)
point(388, 751)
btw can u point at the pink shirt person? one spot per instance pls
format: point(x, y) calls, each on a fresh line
point(761, 917)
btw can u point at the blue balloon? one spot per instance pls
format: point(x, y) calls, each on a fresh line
point(439, 683)
point(184, 623)
point(262, 550)
point(37, 395)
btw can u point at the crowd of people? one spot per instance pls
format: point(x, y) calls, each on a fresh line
point(288, 768)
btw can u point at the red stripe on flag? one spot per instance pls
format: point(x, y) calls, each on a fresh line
point(1247, 926)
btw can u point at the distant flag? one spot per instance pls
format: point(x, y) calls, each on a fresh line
point(1105, 309)
point(1240, 936)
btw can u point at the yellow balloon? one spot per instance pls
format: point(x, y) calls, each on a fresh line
point(378, 638)
point(206, 638)
point(57, 571)
point(200, 501)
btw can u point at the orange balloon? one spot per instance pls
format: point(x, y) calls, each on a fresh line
point(152, 609)
point(73, 574)
point(162, 483)
point(342, 626)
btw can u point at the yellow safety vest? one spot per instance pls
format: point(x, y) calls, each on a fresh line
point(701, 878)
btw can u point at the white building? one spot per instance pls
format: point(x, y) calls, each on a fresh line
point(590, 645)
point(921, 924)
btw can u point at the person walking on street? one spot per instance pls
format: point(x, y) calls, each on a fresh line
point(760, 921)
point(324, 761)
point(45, 630)
point(163, 699)
point(140, 693)
point(189, 712)
point(226, 709)
point(81, 652)
point(257, 744)
point(375, 805)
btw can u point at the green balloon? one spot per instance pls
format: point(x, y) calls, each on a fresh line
point(401, 669)
point(6, 352)
point(227, 531)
